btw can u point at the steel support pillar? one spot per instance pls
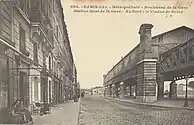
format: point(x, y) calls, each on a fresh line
point(130, 90)
point(122, 90)
point(113, 91)
point(116, 90)
point(186, 93)
point(110, 91)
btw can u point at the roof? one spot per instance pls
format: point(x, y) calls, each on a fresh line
point(181, 27)
point(123, 58)
point(96, 87)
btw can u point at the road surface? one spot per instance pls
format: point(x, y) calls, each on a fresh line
point(96, 110)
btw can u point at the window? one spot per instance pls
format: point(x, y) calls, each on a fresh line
point(42, 5)
point(36, 92)
point(50, 9)
point(49, 63)
point(50, 93)
point(23, 5)
point(35, 52)
point(27, 8)
point(54, 5)
point(160, 38)
point(57, 31)
point(57, 71)
point(3, 95)
point(3, 84)
point(22, 40)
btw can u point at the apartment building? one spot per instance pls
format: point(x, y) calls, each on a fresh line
point(36, 61)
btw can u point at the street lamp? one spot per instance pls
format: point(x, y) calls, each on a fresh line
point(186, 93)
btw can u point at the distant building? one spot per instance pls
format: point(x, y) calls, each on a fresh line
point(86, 91)
point(97, 90)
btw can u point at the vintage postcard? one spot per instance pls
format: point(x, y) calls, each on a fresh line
point(97, 62)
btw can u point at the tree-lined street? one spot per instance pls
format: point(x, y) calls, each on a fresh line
point(96, 110)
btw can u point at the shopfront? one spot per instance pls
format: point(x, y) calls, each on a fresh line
point(8, 80)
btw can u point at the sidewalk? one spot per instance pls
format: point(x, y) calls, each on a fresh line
point(163, 103)
point(64, 114)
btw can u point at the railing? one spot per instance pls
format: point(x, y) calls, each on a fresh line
point(45, 23)
point(24, 6)
point(35, 15)
point(24, 51)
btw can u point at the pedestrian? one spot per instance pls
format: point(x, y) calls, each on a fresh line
point(82, 94)
point(13, 116)
point(75, 97)
point(25, 111)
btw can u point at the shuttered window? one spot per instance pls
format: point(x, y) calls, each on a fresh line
point(22, 40)
point(3, 84)
point(35, 52)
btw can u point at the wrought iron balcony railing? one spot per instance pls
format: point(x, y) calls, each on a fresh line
point(24, 51)
point(37, 16)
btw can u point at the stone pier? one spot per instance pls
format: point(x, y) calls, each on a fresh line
point(160, 82)
point(146, 67)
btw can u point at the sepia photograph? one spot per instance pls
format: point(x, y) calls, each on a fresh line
point(97, 62)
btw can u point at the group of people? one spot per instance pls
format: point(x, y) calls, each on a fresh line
point(19, 113)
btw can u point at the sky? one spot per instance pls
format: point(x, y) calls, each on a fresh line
point(99, 41)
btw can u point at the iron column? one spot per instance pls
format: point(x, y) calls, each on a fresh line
point(186, 93)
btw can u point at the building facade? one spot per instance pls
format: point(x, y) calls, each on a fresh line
point(35, 53)
point(99, 90)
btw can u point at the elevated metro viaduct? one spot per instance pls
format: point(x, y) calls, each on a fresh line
point(166, 57)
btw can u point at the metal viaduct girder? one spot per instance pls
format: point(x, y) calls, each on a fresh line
point(123, 76)
point(178, 61)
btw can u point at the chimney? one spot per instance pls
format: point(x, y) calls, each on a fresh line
point(145, 32)
point(145, 39)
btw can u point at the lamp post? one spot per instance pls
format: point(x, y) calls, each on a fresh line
point(186, 93)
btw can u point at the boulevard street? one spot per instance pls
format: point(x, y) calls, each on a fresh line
point(96, 110)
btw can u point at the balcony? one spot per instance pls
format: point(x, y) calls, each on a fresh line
point(48, 31)
point(36, 61)
point(50, 36)
point(23, 6)
point(35, 11)
point(66, 72)
point(24, 51)
point(44, 66)
point(58, 55)
point(50, 71)
point(35, 16)
point(38, 16)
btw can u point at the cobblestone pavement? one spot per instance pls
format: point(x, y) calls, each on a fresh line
point(96, 110)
